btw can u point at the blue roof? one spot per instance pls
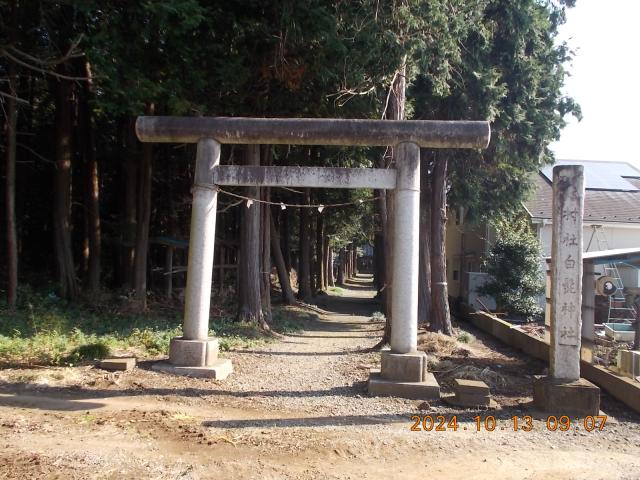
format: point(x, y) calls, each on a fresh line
point(601, 175)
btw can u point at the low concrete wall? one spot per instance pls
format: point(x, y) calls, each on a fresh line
point(624, 389)
point(536, 347)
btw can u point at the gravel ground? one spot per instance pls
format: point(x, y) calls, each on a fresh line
point(296, 408)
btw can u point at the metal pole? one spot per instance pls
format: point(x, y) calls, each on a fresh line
point(404, 292)
point(201, 240)
point(636, 340)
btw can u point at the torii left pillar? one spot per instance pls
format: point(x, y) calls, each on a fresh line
point(403, 371)
point(195, 353)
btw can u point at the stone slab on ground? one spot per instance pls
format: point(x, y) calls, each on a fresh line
point(451, 400)
point(578, 398)
point(220, 369)
point(428, 389)
point(472, 400)
point(118, 363)
point(470, 387)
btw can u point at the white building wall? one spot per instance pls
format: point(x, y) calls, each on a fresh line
point(477, 280)
point(616, 235)
point(630, 276)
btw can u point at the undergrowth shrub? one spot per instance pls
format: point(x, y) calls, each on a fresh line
point(514, 266)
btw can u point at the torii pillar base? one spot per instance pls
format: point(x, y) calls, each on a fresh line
point(403, 375)
point(579, 398)
point(195, 358)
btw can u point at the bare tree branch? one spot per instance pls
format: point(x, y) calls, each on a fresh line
point(17, 99)
point(5, 53)
point(33, 152)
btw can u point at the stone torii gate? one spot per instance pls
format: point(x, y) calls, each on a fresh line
point(404, 371)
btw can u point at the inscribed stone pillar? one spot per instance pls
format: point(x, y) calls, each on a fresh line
point(566, 271)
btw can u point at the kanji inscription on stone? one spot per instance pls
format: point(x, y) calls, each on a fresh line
point(566, 271)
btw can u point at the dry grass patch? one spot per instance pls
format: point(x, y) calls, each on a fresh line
point(437, 343)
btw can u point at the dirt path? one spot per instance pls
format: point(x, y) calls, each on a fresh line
point(296, 408)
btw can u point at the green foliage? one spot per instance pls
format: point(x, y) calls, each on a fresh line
point(511, 73)
point(88, 352)
point(233, 334)
point(486, 59)
point(47, 331)
point(284, 321)
point(514, 266)
point(466, 337)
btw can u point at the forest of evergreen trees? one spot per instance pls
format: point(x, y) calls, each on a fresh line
point(87, 208)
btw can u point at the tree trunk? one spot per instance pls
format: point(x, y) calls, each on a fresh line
point(320, 256)
point(168, 269)
point(304, 261)
point(128, 217)
point(10, 181)
point(424, 292)
point(440, 318)
point(286, 244)
point(355, 260)
point(173, 230)
point(90, 180)
point(347, 262)
point(330, 272)
point(265, 256)
point(388, 267)
point(249, 306)
point(325, 264)
point(62, 187)
point(380, 273)
point(285, 284)
point(144, 219)
point(341, 267)
point(395, 111)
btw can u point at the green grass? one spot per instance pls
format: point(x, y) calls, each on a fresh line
point(337, 290)
point(45, 330)
point(466, 337)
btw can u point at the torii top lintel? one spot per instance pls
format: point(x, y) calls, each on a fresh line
point(314, 131)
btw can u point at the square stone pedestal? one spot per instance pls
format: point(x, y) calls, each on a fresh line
point(575, 399)
point(471, 393)
point(403, 375)
point(195, 358)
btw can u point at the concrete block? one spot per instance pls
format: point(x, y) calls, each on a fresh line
point(629, 363)
point(470, 387)
point(193, 353)
point(471, 400)
point(428, 389)
point(404, 367)
point(626, 390)
point(578, 398)
point(118, 364)
point(220, 369)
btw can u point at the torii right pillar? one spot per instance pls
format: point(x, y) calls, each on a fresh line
point(564, 392)
point(403, 371)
